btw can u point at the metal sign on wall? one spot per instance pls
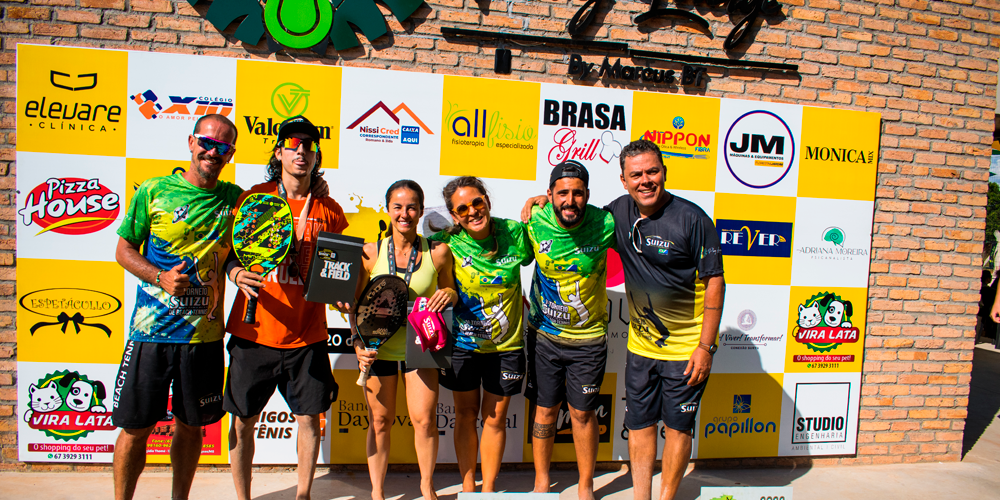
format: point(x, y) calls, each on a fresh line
point(790, 188)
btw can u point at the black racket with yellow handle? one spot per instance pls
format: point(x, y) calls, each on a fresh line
point(381, 311)
point(262, 235)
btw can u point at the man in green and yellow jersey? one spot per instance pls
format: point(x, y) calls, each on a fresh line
point(567, 344)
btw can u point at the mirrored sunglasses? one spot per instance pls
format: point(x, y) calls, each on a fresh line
point(208, 144)
point(462, 210)
point(308, 145)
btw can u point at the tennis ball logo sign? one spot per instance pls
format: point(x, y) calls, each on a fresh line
point(303, 24)
point(70, 205)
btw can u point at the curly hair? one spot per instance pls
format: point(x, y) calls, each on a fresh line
point(638, 147)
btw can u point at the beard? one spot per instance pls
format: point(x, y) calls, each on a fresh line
point(212, 172)
point(570, 222)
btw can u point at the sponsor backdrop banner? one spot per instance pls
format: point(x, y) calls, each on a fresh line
point(790, 188)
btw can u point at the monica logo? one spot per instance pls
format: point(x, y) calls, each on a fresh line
point(839, 155)
point(821, 412)
point(67, 406)
point(731, 425)
point(70, 306)
point(180, 107)
point(287, 100)
point(832, 247)
point(759, 149)
point(70, 205)
point(755, 238)
point(402, 134)
point(824, 323)
point(71, 112)
point(484, 128)
point(576, 139)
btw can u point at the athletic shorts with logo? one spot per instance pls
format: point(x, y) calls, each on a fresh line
point(150, 369)
point(301, 374)
point(657, 390)
point(499, 373)
point(564, 372)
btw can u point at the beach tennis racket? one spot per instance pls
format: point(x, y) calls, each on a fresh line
point(381, 311)
point(262, 234)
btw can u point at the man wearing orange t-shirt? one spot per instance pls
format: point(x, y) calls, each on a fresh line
point(286, 347)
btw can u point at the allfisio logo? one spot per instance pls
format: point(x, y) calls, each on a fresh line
point(759, 149)
point(287, 100)
point(67, 406)
point(70, 205)
point(180, 107)
point(402, 134)
point(839, 155)
point(824, 323)
point(677, 143)
point(70, 306)
point(76, 112)
point(733, 425)
point(755, 238)
point(481, 128)
point(575, 140)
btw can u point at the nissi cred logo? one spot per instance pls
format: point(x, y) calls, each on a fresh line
point(821, 412)
point(832, 247)
point(755, 238)
point(67, 406)
point(839, 155)
point(287, 100)
point(577, 139)
point(732, 425)
point(180, 107)
point(402, 134)
point(759, 149)
point(484, 128)
point(677, 144)
point(74, 111)
point(824, 323)
point(70, 306)
point(70, 205)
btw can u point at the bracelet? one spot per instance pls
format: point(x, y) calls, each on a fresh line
point(158, 273)
point(237, 277)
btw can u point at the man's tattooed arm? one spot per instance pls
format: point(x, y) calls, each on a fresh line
point(543, 431)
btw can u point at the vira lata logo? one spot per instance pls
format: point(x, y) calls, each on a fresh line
point(72, 112)
point(755, 238)
point(180, 107)
point(824, 323)
point(70, 205)
point(67, 406)
point(303, 24)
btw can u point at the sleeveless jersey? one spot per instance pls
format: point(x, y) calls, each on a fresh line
point(423, 283)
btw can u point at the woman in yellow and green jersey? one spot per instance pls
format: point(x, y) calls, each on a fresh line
point(489, 343)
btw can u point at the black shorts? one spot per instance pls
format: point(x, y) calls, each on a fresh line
point(301, 374)
point(560, 372)
point(148, 371)
point(499, 373)
point(657, 390)
point(384, 368)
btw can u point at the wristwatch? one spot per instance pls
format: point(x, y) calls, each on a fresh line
point(711, 348)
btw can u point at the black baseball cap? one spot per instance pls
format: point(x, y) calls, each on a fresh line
point(570, 168)
point(298, 124)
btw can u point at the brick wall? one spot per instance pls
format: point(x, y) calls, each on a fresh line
point(929, 67)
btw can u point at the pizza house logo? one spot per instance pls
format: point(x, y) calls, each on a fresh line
point(759, 149)
point(579, 123)
point(823, 324)
point(287, 100)
point(397, 134)
point(832, 247)
point(180, 107)
point(70, 306)
point(72, 112)
point(755, 238)
point(678, 144)
point(70, 205)
point(732, 425)
point(67, 406)
point(302, 25)
point(484, 128)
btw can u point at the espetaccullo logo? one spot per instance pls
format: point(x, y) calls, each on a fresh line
point(70, 205)
point(180, 107)
point(759, 149)
point(303, 24)
point(70, 306)
point(67, 406)
point(755, 238)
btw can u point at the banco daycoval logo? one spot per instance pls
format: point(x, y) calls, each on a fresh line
point(70, 101)
point(302, 24)
point(67, 406)
point(403, 134)
point(180, 107)
point(70, 205)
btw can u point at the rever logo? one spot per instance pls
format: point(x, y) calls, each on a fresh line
point(755, 238)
